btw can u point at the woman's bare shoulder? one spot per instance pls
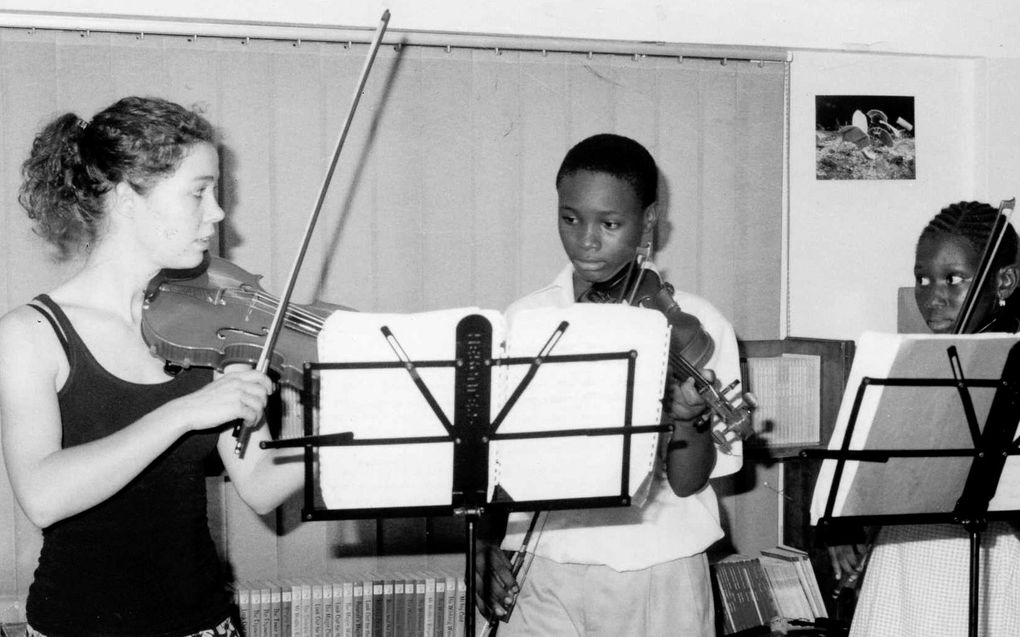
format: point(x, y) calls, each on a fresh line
point(25, 333)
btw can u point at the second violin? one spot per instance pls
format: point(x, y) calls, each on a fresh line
point(691, 346)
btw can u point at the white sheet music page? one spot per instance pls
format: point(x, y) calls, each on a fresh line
point(575, 395)
point(913, 417)
point(386, 403)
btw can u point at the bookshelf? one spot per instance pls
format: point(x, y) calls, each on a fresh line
point(403, 603)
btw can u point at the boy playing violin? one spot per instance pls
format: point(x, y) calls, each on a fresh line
point(619, 571)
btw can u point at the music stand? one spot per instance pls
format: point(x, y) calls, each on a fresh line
point(846, 496)
point(473, 430)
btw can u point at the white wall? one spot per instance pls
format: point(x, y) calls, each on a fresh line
point(1000, 102)
point(851, 242)
point(935, 27)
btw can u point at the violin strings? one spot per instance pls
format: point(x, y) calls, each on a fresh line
point(297, 316)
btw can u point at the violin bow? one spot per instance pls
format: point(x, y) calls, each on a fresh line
point(243, 433)
point(984, 266)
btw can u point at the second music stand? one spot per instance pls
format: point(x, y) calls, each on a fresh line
point(857, 499)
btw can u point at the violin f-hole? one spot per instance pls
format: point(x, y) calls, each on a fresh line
point(223, 331)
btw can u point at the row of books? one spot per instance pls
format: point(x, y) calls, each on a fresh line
point(410, 605)
point(780, 584)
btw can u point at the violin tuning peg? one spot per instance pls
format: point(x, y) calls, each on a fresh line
point(751, 400)
point(730, 387)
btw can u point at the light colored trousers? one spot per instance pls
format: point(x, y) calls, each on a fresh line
point(673, 599)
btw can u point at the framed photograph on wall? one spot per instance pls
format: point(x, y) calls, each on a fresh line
point(864, 137)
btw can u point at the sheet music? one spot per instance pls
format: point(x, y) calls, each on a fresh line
point(581, 395)
point(385, 403)
point(913, 418)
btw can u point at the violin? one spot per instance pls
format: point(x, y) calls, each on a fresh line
point(217, 315)
point(690, 349)
point(965, 319)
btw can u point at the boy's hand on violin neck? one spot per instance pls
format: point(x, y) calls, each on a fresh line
point(236, 395)
point(684, 401)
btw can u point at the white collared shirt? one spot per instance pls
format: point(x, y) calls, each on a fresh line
point(666, 527)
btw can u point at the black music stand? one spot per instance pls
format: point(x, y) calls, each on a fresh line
point(471, 431)
point(992, 444)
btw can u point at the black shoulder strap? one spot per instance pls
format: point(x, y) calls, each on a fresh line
point(45, 306)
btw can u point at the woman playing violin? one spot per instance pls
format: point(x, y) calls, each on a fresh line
point(915, 583)
point(105, 450)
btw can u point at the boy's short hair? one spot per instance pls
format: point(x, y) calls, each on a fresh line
point(615, 155)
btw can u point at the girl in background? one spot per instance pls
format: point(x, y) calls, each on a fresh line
point(916, 579)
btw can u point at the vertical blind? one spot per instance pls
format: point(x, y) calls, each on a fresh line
point(444, 194)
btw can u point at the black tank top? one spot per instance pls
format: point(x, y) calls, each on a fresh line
point(142, 563)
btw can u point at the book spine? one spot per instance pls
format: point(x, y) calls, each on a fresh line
point(745, 615)
point(409, 606)
point(369, 614)
point(358, 606)
point(243, 594)
point(317, 609)
point(419, 608)
point(306, 609)
point(295, 607)
point(726, 596)
point(271, 607)
point(337, 629)
point(399, 609)
point(258, 613)
point(327, 609)
point(451, 607)
point(753, 613)
point(763, 592)
point(348, 609)
point(760, 608)
point(790, 597)
point(276, 606)
point(286, 610)
point(439, 627)
point(388, 614)
point(811, 585)
point(378, 609)
point(428, 628)
point(461, 605)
